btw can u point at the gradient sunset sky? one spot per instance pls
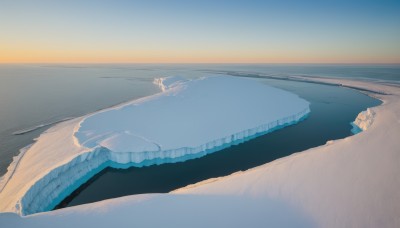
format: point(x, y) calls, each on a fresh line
point(172, 31)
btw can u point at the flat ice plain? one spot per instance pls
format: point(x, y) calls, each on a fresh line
point(188, 119)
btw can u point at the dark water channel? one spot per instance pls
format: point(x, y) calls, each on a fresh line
point(332, 110)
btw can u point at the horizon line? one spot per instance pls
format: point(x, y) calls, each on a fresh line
point(210, 63)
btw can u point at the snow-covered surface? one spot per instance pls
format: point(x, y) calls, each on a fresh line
point(351, 182)
point(168, 210)
point(168, 82)
point(190, 118)
point(365, 119)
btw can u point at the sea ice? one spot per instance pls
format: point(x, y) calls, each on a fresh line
point(188, 119)
point(351, 182)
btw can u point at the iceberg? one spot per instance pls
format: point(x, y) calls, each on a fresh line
point(188, 119)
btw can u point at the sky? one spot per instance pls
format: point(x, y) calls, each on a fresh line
point(208, 31)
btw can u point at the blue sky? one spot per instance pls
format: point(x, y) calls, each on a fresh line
point(200, 31)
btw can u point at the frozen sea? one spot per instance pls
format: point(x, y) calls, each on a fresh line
point(32, 97)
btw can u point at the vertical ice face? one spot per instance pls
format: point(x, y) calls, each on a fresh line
point(364, 119)
point(191, 115)
point(188, 119)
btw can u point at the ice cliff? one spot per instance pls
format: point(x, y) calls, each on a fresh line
point(189, 119)
point(363, 121)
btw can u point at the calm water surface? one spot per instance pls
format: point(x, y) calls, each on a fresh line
point(32, 95)
point(332, 109)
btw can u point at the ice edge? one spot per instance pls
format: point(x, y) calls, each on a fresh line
point(60, 182)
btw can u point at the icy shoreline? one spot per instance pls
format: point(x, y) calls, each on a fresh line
point(351, 182)
point(77, 163)
point(91, 163)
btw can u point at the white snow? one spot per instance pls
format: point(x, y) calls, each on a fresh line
point(365, 119)
point(168, 82)
point(165, 210)
point(190, 117)
point(351, 182)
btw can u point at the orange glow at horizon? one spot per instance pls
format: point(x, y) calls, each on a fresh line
point(101, 56)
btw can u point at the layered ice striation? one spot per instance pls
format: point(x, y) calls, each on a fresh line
point(189, 119)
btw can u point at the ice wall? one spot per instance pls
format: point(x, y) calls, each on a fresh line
point(189, 119)
point(49, 191)
point(363, 121)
